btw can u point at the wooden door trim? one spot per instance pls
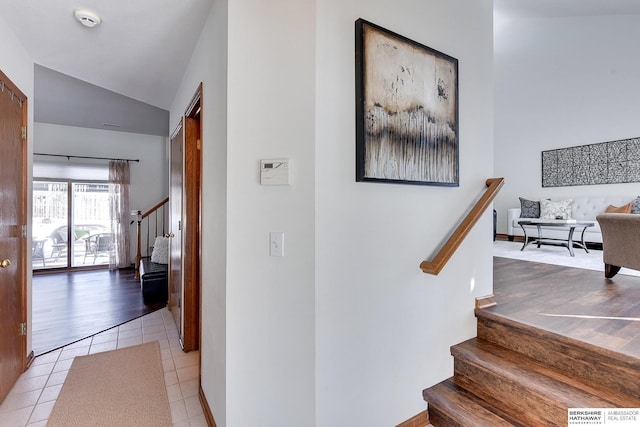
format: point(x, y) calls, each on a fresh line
point(175, 131)
point(195, 106)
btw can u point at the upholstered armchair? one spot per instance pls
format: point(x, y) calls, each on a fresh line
point(620, 242)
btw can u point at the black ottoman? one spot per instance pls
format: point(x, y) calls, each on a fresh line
point(154, 281)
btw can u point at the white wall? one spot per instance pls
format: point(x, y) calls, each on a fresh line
point(16, 64)
point(149, 177)
point(270, 300)
point(384, 328)
point(209, 66)
point(561, 82)
point(345, 329)
point(257, 311)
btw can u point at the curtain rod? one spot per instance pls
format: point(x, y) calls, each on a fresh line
point(84, 157)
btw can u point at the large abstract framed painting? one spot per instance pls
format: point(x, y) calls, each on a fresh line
point(612, 162)
point(406, 110)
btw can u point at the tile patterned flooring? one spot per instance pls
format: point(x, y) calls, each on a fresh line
point(32, 398)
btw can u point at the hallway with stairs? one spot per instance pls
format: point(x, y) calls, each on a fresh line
point(558, 338)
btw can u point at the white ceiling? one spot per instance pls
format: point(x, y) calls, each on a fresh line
point(140, 50)
point(566, 8)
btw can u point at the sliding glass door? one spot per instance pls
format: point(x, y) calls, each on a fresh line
point(91, 224)
point(50, 219)
point(63, 240)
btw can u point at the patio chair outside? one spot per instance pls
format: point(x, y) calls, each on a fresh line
point(99, 244)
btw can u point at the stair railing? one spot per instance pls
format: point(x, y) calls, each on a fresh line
point(151, 224)
point(448, 249)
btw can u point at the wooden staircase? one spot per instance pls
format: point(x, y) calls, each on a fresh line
point(514, 374)
point(150, 225)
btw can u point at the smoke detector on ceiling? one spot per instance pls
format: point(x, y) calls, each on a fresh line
point(87, 18)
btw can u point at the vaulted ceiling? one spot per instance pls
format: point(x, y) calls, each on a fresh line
point(139, 52)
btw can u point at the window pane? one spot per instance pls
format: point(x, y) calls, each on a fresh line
point(91, 224)
point(50, 219)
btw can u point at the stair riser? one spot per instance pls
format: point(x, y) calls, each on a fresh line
point(449, 405)
point(527, 406)
point(592, 365)
point(439, 418)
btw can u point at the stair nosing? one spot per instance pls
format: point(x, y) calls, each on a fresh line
point(538, 379)
point(621, 358)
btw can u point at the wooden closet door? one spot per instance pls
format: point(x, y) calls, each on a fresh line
point(184, 201)
point(175, 228)
point(191, 233)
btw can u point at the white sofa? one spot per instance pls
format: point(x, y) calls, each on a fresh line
point(583, 208)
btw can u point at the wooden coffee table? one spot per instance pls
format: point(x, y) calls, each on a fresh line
point(569, 224)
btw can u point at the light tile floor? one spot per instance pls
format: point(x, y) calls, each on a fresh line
point(31, 399)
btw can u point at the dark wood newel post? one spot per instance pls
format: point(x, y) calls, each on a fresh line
point(138, 251)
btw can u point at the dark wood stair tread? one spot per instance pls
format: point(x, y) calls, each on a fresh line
point(538, 378)
point(517, 327)
point(451, 405)
point(593, 364)
point(526, 370)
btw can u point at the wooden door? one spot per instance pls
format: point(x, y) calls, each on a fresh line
point(191, 236)
point(184, 201)
point(13, 216)
point(175, 227)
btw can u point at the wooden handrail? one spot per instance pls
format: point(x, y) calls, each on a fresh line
point(155, 208)
point(142, 217)
point(446, 252)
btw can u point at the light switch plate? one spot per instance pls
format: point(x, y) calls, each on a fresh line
point(276, 243)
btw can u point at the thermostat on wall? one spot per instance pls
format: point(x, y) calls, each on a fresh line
point(274, 172)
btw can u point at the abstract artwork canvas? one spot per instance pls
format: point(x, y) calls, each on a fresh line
point(612, 162)
point(406, 110)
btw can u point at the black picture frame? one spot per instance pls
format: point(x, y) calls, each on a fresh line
point(406, 110)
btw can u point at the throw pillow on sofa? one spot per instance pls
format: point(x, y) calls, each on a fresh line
point(529, 208)
point(550, 209)
point(635, 205)
point(160, 253)
point(618, 209)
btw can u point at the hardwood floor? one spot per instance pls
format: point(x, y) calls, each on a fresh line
point(558, 339)
point(580, 304)
point(70, 306)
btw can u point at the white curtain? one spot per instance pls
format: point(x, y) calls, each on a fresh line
point(119, 203)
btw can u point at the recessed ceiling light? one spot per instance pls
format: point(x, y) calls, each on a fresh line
point(87, 18)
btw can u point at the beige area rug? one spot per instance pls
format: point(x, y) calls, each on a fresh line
point(557, 255)
point(122, 387)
